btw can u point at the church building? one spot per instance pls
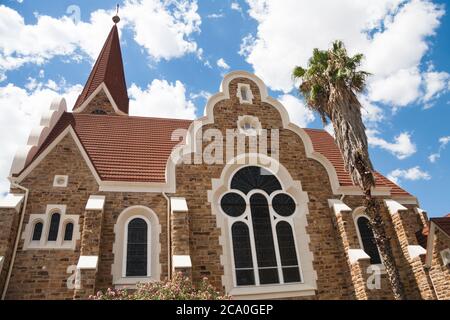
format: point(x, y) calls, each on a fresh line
point(261, 207)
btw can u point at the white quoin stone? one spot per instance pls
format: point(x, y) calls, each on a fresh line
point(394, 207)
point(338, 206)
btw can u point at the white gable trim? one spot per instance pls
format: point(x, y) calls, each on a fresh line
point(103, 87)
point(224, 94)
point(43, 155)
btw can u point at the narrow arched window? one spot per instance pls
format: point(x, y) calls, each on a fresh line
point(137, 244)
point(37, 231)
point(262, 237)
point(368, 240)
point(68, 232)
point(54, 227)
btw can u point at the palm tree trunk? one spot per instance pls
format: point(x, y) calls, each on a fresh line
point(383, 243)
point(344, 111)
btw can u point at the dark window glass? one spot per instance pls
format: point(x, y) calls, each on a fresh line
point(244, 93)
point(233, 204)
point(288, 255)
point(137, 248)
point(37, 232)
point(253, 177)
point(265, 249)
point(368, 240)
point(98, 111)
point(54, 226)
point(283, 204)
point(68, 232)
point(242, 254)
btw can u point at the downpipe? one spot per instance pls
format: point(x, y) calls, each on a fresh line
point(19, 231)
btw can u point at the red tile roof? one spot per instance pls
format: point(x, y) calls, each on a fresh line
point(443, 223)
point(136, 149)
point(108, 69)
point(123, 148)
point(324, 143)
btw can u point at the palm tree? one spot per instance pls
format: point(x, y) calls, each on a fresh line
point(329, 86)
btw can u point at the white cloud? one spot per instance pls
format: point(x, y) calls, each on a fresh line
point(435, 83)
point(202, 94)
point(172, 23)
point(298, 112)
point(236, 6)
point(443, 141)
point(393, 35)
point(21, 111)
point(399, 88)
point(161, 99)
point(163, 28)
point(412, 174)
point(371, 113)
point(215, 15)
point(222, 64)
point(402, 147)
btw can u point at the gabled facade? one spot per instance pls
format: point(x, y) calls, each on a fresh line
point(102, 199)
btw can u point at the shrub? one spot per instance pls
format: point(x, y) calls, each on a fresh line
point(179, 288)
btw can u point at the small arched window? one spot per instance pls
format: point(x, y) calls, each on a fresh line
point(98, 111)
point(68, 232)
point(244, 94)
point(54, 227)
point(37, 231)
point(368, 239)
point(137, 255)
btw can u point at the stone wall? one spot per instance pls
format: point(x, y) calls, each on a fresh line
point(439, 273)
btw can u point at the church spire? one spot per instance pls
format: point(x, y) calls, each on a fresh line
point(107, 73)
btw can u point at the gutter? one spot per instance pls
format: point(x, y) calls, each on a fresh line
point(19, 231)
point(169, 238)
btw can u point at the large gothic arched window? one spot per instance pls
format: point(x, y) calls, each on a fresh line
point(260, 215)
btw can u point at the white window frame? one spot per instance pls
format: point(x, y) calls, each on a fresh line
point(118, 269)
point(249, 223)
point(125, 245)
point(305, 257)
point(43, 243)
point(65, 182)
point(249, 93)
point(359, 213)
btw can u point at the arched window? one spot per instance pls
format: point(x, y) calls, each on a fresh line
point(68, 232)
point(54, 227)
point(368, 240)
point(37, 231)
point(98, 111)
point(136, 249)
point(260, 215)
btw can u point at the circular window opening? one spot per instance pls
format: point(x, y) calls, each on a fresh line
point(233, 204)
point(283, 204)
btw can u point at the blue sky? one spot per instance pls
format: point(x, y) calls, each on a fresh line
point(176, 53)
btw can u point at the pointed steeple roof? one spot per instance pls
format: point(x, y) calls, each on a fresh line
point(108, 69)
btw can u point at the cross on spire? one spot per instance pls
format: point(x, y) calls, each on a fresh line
point(116, 18)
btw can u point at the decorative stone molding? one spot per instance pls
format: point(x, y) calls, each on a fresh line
point(244, 96)
point(118, 267)
point(249, 125)
point(60, 181)
point(416, 251)
point(38, 135)
point(43, 243)
point(445, 255)
point(87, 263)
point(95, 203)
point(355, 255)
point(308, 286)
point(11, 201)
point(178, 204)
point(338, 206)
point(394, 207)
